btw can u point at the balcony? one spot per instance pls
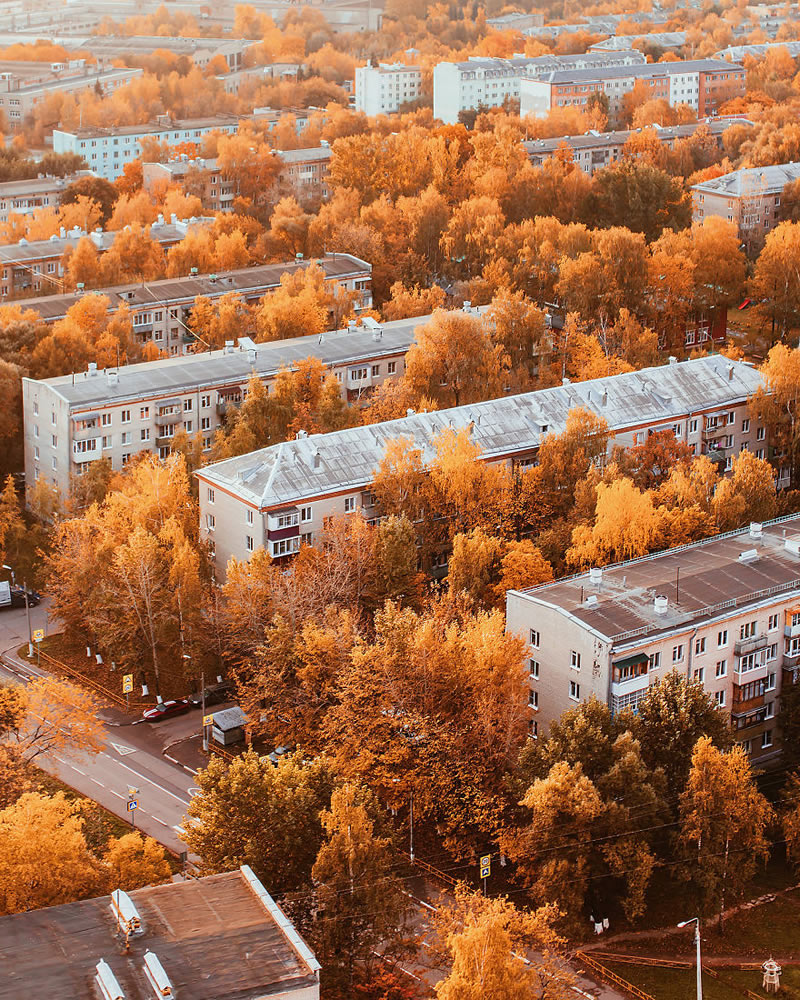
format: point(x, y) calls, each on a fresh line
point(790, 631)
point(628, 686)
point(224, 405)
point(745, 706)
point(751, 645)
point(165, 440)
point(791, 661)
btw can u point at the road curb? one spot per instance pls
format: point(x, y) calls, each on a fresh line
point(174, 760)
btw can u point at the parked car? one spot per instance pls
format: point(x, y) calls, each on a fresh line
point(279, 752)
point(166, 709)
point(215, 695)
point(14, 597)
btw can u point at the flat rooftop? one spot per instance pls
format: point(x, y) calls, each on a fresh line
point(752, 182)
point(214, 937)
point(699, 581)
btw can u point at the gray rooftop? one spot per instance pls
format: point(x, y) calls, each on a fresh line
point(217, 938)
point(153, 128)
point(663, 39)
point(667, 133)
point(641, 72)
point(754, 181)
point(166, 290)
point(219, 368)
point(287, 473)
point(712, 579)
point(737, 52)
point(318, 154)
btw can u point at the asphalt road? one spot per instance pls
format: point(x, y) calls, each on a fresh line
point(131, 757)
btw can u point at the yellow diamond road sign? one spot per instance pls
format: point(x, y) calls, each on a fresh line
point(127, 683)
point(38, 634)
point(486, 860)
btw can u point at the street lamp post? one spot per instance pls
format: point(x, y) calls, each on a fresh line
point(187, 656)
point(696, 922)
point(27, 608)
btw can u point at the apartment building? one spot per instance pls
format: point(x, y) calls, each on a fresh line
point(724, 612)
point(749, 197)
point(594, 150)
point(703, 84)
point(666, 40)
point(736, 53)
point(73, 420)
point(107, 150)
point(26, 196)
point(23, 85)
point(220, 937)
point(32, 267)
point(515, 21)
point(279, 497)
point(305, 171)
point(486, 83)
point(385, 88)
point(200, 50)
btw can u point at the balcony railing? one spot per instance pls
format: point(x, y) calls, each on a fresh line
point(750, 645)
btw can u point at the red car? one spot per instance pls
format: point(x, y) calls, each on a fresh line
point(166, 709)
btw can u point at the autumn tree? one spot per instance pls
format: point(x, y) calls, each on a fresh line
point(723, 825)
point(776, 404)
point(252, 812)
point(790, 819)
point(359, 897)
point(133, 861)
point(49, 716)
point(638, 195)
point(626, 526)
point(776, 278)
point(748, 494)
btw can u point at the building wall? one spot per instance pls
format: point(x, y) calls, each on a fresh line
point(381, 90)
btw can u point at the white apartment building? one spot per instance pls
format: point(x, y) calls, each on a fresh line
point(107, 150)
point(724, 612)
point(383, 89)
point(482, 82)
point(279, 497)
point(27, 196)
point(73, 420)
point(160, 310)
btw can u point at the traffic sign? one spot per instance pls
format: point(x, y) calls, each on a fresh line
point(132, 804)
point(486, 872)
point(208, 719)
point(127, 683)
point(38, 634)
point(486, 866)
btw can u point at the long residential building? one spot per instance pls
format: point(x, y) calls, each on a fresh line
point(750, 197)
point(160, 310)
point(73, 420)
point(594, 150)
point(483, 82)
point(703, 84)
point(385, 88)
point(37, 266)
point(25, 197)
point(279, 497)
point(724, 612)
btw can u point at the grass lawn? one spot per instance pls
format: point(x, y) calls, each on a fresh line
point(679, 984)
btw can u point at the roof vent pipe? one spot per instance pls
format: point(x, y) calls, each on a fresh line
point(660, 604)
point(595, 576)
point(156, 976)
point(755, 530)
point(107, 981)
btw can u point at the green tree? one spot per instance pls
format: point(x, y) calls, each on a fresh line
point(253, 813)
point(639, 196)
point(361, 905)
point(723, 824)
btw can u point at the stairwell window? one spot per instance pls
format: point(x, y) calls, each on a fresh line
point(574, 691)
point(534, 638)
point(575, 660)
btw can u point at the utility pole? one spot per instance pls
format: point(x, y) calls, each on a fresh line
point(696, 922)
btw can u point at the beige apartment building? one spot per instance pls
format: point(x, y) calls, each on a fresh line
point(160, 310)
point(278, 498)
point(724, 612)
point(750, 197)
point(73, 420)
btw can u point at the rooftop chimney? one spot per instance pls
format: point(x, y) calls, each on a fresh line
point(467, 305)
point(595, 576)
point(730, 373)
point(317, 460)
point(660, 605)
point(229, 349)
point(113, 377)
point(156, 976)
point(92, 368)
point(301, 434)
point(755, 530)
point(107, 982)
point(252, 355)
point(673, 360)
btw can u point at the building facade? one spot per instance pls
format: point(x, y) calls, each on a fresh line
point(279, 497)
point(108, 150)
point(27, 196)
point(71, 421)
point(160, 310)
point(749, 197)
point(385, 88)
point(703, 84)
point(724, 612)
point(36, 267)
point(486, 83)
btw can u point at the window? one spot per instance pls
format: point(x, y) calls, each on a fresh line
point(745, 426)
point(692, 426)
point(126, 457)
point(188, 426)
point(54, 440)
point(760, 432)
point(36, 452)
point(286, 546)
point(731, 418)
point(349, 505)
point(772, 652)
point(144, 434)
point(655, 660)
point(144, 413)
point(677, 653)
point(249, 515)
point(534, 638)
point(105, 419)
point(35, 409)
point(719, 698)
point(376, 370)
point(533, 700)
point(188, 404)
point(211, 495)
point(574, 691)
point(205, 423)
point(721, 668)
point(747, 631)
point(769, 682)
point(211, 522)
point(249, 542)
point(700, 645)
point(769, 710)
point(722, 638)
point(533, 669)
point(53, 419)
point(205, 401)
point(107, 441)
point(699, 675)
point(306, 537)
point(392, 367)
point(766, 739)
point(575, 660)
point(773, 622)
point(534, 729)
point(125, 437)
point(305, 513)
point(125, 416)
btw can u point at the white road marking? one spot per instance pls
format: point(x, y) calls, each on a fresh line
point(194, 790)
point(161, 821)
point(122, 750)
point(183, 802)
point(100, 783)
point(74, 768)
point(116, 793)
